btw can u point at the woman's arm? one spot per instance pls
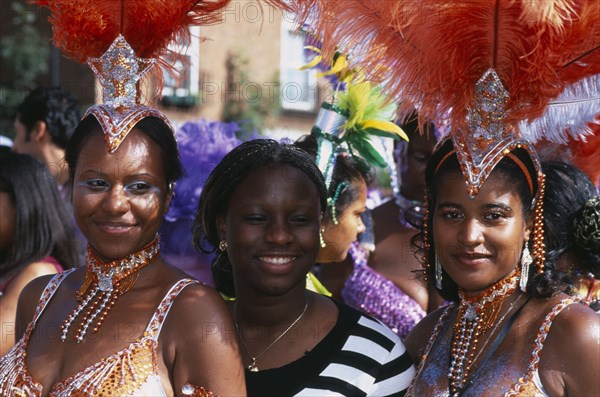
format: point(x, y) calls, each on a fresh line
point(8, 301)
point(417, 339)
point(570, 359)
point(200, 328)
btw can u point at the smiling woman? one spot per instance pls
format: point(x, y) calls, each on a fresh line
point(119, 199)
point(261, 208)
point(509, 324)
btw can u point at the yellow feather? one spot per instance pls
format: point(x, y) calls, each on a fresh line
point(386, 126)
point(312, 63)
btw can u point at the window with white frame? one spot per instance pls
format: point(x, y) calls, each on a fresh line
point(299, 89)
point(185, 84)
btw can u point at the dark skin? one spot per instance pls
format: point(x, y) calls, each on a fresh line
point(566, 369)
point(489, 226)
point(131, 191)
point(394, 255)
point(272, 237)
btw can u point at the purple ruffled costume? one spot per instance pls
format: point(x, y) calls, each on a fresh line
point(372, 293)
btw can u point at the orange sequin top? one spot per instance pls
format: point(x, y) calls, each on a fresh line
point(132, 371)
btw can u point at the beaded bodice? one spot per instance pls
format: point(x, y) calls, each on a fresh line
point(132, 371)
point(501, 375)
point(372, 293)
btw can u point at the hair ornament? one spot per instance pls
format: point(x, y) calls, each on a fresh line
point(123, 41)
point(357, 111)
point(586, 225)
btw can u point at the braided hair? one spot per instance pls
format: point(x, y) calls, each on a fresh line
point(222, 182)
point(342, 192)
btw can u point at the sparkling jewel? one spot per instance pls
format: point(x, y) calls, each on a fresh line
point(104, 283)
point(476, 314)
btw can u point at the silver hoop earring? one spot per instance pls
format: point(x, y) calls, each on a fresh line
point(438, 274)
point(526, 260)
point(223, 246)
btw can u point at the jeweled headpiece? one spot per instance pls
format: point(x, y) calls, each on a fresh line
point(500, 72)
point(123, 41)
point(495, 70)
point(119, 71)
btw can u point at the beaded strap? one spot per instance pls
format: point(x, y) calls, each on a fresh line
point(49, 293)
point(518, 388)
point(432, 339)
point(158, 318)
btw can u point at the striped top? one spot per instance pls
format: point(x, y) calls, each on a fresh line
point(359, 357)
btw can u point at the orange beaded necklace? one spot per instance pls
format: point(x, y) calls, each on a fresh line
point(104, 283)
point(476, 314)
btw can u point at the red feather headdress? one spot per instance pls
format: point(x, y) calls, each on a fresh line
point(430, 54)
point(496, 71)
point(122, 41)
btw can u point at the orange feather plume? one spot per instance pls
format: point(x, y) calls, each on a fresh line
point(431, 53)
point(85, 28)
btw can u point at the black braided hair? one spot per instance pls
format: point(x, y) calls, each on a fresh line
point(223, 180)
point(572, 217)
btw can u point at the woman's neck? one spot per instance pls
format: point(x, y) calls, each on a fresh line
point(269, 311)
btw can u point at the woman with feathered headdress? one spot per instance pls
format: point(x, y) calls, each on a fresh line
point(500, 73)
point(128, 323)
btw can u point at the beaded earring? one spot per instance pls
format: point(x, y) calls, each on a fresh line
point(526, 260)
point(321, 239)
point(438, 273)
point(426, 245)
point(223, 246)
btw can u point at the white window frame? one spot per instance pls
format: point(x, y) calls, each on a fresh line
point(192, 53)
point(292, 42)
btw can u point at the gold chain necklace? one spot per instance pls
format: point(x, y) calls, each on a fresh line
point(104, 283)
point(252, 367)
point(476, 314)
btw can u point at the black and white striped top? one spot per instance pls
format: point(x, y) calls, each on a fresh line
point(359, 357)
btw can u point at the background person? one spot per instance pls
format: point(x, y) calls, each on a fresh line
point(35, 239)
point(44, 123)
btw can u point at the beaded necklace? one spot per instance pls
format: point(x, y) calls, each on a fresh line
point(476, 314)
point(411, 211)
point(104, 283)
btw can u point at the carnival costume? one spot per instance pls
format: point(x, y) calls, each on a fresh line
point(372, 293)
point(501, 74)
point(122, 42)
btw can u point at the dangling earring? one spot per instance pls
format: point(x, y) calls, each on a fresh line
point(438, 274)
point(526, 260)
point(223, 246)
point(321, 239)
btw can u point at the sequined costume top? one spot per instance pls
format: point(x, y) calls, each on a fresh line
point(372, 293)
point(498, 367)
point(132, 371)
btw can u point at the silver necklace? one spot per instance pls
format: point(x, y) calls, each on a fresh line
point(253, 367)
